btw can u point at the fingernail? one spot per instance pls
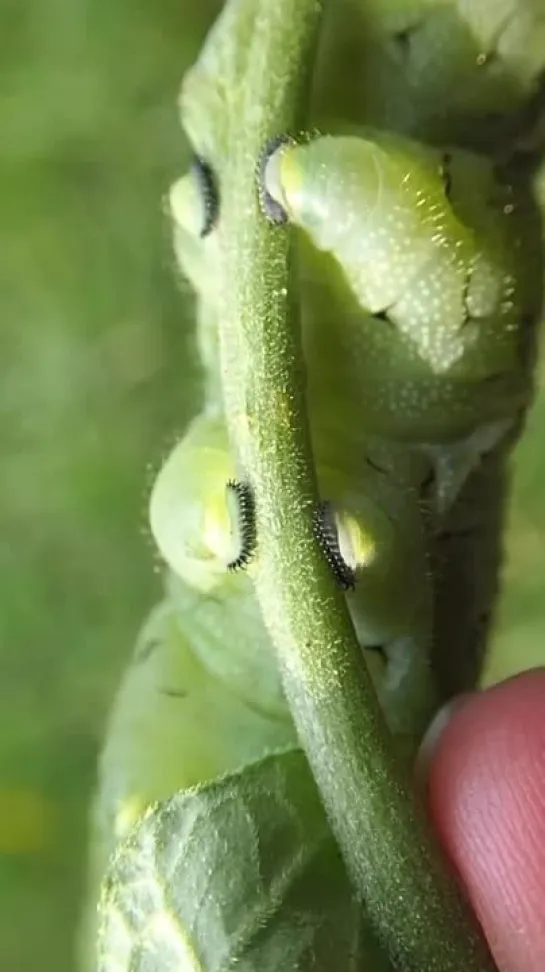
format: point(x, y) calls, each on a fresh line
point(434, 732)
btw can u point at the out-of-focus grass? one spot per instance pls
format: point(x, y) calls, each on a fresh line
point(520, 636)
point(97, 371)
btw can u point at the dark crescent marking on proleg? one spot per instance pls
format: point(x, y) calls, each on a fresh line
point(270, 208)
point(326, 535)
point(209, 193)
point(246, 524)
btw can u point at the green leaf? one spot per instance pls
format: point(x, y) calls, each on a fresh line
point(243, 873)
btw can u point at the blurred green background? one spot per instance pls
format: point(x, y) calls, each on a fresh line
point(97, 378)
point(96, 359)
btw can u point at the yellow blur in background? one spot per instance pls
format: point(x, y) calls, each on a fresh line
point(27, 822)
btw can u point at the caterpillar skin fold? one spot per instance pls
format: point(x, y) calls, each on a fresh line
point(458, 72)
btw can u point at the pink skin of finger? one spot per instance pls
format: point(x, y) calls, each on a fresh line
point(486, 796)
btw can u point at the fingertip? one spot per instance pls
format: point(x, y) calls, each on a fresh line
point(486, 795)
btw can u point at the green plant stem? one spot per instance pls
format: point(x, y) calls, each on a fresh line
point(382, 833)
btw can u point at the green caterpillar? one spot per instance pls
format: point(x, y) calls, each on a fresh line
point(463, 72)
point(429, 343)
point(420, 282)
point(420, 287)
point(436, 342)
